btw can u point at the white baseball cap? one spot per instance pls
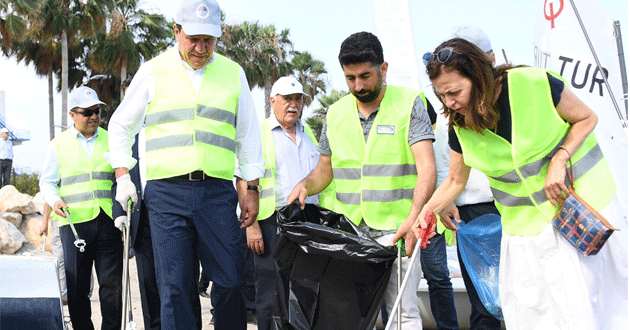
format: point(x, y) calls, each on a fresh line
point(287, 86)
point(200, 17)
point(83, 97)
point(4, 130)
point(474, 35)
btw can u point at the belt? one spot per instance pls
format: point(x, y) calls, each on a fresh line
point(193, 176)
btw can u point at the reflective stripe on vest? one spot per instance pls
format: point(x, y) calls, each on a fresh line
point(374, 179)
point(517, 170)
point(85, 184)
point(188, 130)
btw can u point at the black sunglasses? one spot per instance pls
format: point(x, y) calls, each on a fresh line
point(88, 112)
point(442, 56)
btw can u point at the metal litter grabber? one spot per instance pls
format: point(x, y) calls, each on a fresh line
point(401, 245)
point(431, 220)
point(127, 316)
point(44, 243)
point(79, 243)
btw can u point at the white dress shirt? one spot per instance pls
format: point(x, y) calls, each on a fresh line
point(129, 118)
point(477, 189)
point(49, 179)
point(294, 160)
point(6, 148)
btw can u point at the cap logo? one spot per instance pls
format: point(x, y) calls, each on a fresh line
point(88, 94)
point(293, 84)
point(202, 11)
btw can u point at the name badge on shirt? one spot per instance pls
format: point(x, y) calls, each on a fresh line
point(385, 129)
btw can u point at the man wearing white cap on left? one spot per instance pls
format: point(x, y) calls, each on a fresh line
point(199, 117)
point(77, 177)
point(6, 157)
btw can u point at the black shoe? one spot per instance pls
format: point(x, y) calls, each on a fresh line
point(251, 317)
point(204, 294)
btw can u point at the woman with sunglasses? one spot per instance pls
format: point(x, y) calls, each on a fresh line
point(519, 126)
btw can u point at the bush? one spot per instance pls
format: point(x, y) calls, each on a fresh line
point(26, 183)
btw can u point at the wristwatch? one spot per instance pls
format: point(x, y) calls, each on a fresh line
point(257, 188)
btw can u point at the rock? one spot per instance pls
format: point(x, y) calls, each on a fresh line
point(11, 200)
point(29, 228)
point(13, 217)
point(11, 239)
point(38, 200)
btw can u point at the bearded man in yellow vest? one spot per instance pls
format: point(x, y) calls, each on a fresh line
point(290, 153)
point(76, 176)
point(377, 144)
point(199, 116)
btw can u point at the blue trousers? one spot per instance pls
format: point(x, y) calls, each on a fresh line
point(192, 222)
point(104, 250)
point(435, 269)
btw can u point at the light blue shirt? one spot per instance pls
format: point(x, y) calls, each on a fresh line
point(294, 160)
point(6, 148)
point(49, 179)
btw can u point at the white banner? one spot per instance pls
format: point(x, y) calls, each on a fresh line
point(560, 45)
point(392, 26)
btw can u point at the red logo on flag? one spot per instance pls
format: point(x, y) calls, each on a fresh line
point(552, 14)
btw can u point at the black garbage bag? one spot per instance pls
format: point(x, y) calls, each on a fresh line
point(331, 274)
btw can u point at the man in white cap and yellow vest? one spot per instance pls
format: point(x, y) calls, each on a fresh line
point(199, 116)
point(290, 153)
point(76, 176)
point(377, 144)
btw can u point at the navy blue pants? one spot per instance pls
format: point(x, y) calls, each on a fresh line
point(149, 296)
point(265, 274)
point(480, 318)
point(193, 221)
point(104, 250)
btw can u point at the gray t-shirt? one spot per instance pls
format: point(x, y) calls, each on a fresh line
point(419, 129)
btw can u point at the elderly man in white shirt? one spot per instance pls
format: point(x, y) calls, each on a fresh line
point(290, 152)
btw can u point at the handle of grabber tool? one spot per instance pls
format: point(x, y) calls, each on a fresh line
point(79, 243)
point(401, 246)
point(414, 257)
point(44, 243)
point(125, 294)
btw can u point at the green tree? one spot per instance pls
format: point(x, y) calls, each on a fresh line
point(260, 50)
point(311, 73)
point(316, 121)
point(132, 35)
point(14, 21)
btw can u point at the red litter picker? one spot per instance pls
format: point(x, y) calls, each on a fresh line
point(431, 221)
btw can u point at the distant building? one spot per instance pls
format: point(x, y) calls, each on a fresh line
point(18, 136)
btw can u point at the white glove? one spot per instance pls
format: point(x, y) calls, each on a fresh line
point(125, 190)
point(120, 221)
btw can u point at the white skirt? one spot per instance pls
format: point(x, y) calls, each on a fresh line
point(545, 283)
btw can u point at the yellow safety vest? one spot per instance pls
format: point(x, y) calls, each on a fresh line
point(85, 184)
point(267, 201)
point(374, 180)
point(188, 131)
point(517, 171)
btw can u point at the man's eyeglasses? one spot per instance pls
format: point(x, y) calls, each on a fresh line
point(442, 56)
point(88, 112)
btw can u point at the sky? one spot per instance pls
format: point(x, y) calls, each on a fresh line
point(315, 26)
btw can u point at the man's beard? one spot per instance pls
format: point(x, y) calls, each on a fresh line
point(372, 94)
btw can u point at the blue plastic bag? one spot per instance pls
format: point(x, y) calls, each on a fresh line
point(479, 243)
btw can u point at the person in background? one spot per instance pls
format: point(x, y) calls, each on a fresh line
point(520, 126)
point(476, 198)
point(377, 142)
point(290, 153)
point(77, 177)
point(199, 116)
point(140, 236)
point(6, 157)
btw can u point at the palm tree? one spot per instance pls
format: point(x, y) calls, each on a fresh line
point(13, 21)
point(316, 121)
point(311, 73)
point(133, 35)
point(260, 50)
